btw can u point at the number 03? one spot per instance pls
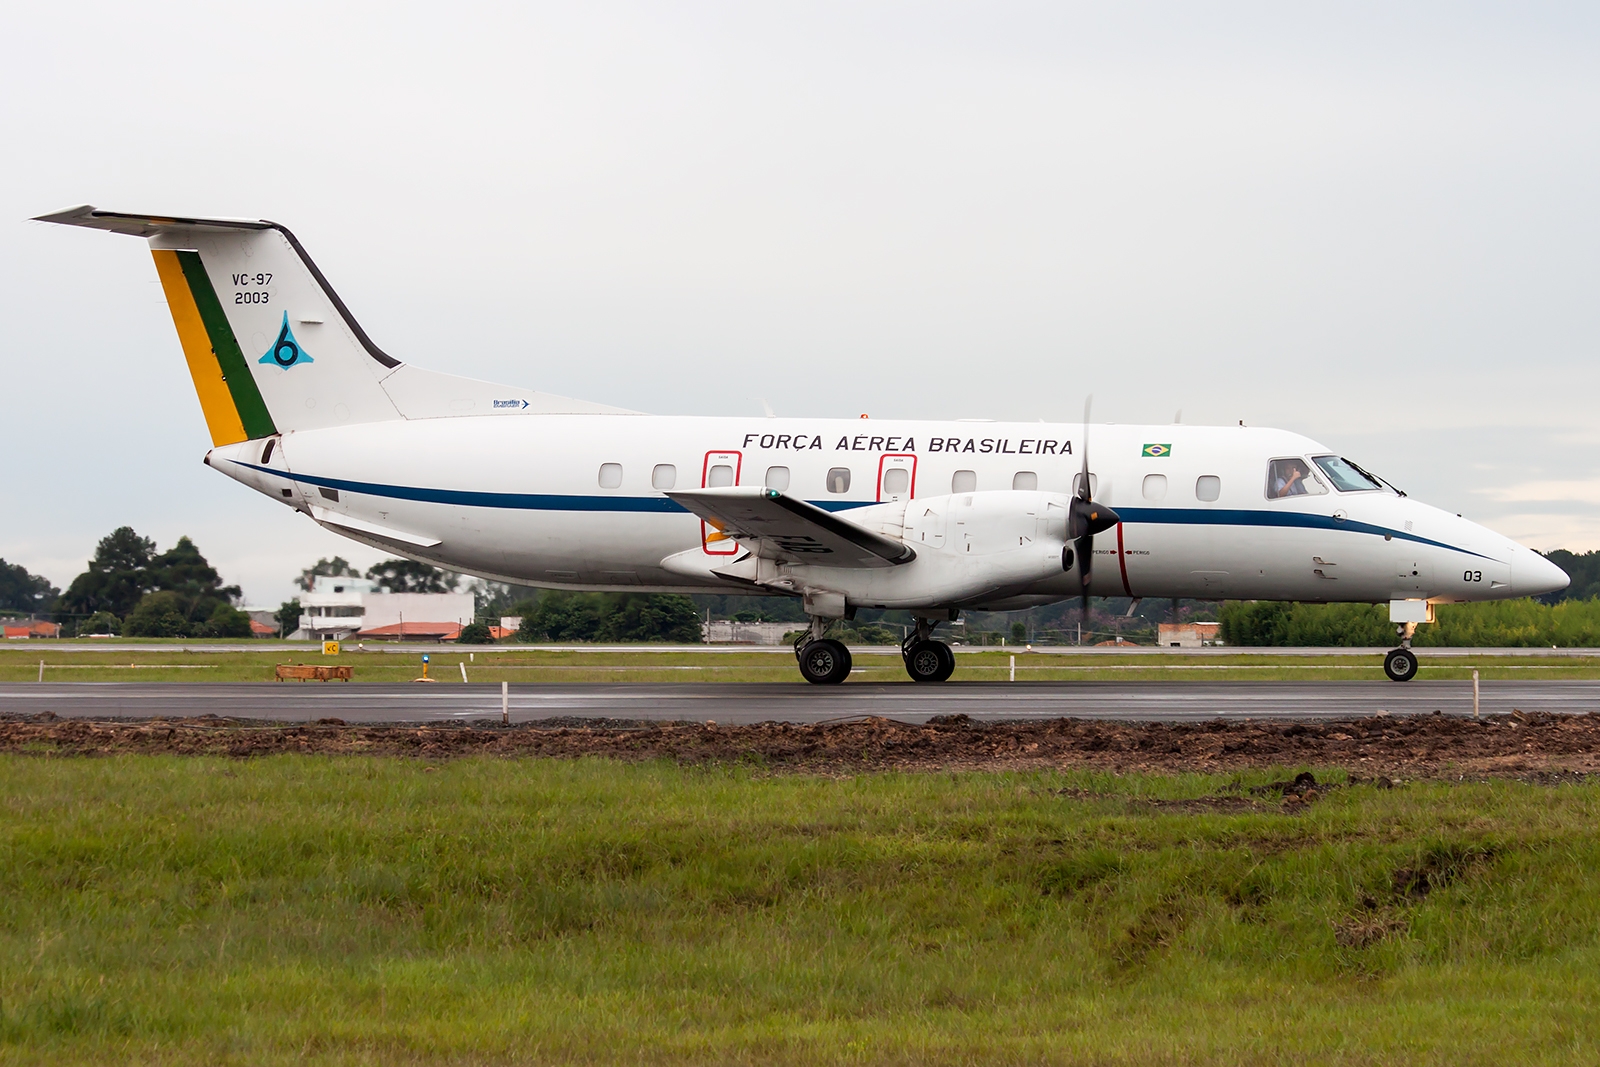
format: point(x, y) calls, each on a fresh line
point(1472, 576)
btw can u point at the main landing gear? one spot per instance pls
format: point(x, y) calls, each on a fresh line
point(927, 660)
point(1401, 664)
point(823, 661)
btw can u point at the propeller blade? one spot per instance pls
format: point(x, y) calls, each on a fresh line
point(1083, 478)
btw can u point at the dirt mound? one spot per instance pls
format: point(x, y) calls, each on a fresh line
point(1550, 747)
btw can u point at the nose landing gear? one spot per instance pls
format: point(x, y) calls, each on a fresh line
point(1401, 664)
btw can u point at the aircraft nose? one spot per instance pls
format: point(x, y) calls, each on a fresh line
point(1533, 575)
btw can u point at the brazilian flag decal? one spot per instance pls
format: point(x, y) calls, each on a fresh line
point(1156, 451)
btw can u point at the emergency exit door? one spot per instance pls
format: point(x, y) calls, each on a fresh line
point(897, 476)
point(719, 469)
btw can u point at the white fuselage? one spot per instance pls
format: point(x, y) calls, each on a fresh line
point(577, 501)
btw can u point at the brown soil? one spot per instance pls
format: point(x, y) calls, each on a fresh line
point(1536, 745)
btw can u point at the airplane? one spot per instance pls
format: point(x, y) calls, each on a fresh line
point(937, 517)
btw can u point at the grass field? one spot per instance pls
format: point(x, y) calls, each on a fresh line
point(247, 663)
point(368, 910)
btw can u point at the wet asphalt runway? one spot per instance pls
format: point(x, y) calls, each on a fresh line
point(764, 702)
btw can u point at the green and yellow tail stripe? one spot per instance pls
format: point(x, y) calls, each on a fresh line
point(228, 395)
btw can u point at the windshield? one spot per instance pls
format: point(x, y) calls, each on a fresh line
point(1346, 476)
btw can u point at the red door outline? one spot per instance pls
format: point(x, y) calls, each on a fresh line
point(705, 475)
point(911, 492)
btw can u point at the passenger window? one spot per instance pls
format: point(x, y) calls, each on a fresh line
point(1155, 486)
point(664, 476)
point(839, 480)
point(778, 478)
point(610, 475)
point(1027, 481)
point(964, 482)
point(720, 475)
point(1094, 485)
point(1207, 487)
point(896, 480)
point(1292, 477)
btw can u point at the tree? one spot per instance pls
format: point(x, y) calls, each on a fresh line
point(21, 591)
point(288, 617)
point(1582, 568)
point(409, 576)
point(164, 613)
point(184, 570)
point(116, 578)
point(337, 567)
point(1019, 631)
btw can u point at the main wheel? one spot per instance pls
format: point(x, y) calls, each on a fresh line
point(824, 662)
point(930, 661)
point(1400, 665)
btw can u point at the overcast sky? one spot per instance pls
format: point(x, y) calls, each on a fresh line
point(1374, 224)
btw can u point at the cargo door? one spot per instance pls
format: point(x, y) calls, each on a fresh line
point(720, 469)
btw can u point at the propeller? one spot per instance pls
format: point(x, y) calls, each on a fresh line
point(1085, 518)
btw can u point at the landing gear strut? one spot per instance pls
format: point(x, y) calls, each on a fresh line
point(1401, 664)
point(823, 661)
point(927, 660)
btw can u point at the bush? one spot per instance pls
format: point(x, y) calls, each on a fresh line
point(1254, 622)
point(475, 633)
point(101, 622)
point(1494, 624)
point(226, 621)
point(611, 617)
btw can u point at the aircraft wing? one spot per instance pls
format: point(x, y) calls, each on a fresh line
point(783, 527)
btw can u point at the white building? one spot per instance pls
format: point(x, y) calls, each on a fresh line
point(338, 607)
point(726, 631)
point(335, 607)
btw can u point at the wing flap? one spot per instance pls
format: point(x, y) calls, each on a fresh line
point(783, 527)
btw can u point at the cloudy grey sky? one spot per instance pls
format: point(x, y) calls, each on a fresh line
point(1376, 224)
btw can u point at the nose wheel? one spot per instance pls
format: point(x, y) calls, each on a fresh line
point(1400, 665)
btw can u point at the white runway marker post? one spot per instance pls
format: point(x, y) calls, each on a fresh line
point(505, 703)
point(1013, 668)
point(1474, 692)
point(463, 672)
point(41, 670)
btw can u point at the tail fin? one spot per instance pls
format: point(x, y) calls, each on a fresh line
point(270, 345)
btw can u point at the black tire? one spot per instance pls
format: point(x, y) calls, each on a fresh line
point(825, 662)
point(1400, 665)
point(930, 661)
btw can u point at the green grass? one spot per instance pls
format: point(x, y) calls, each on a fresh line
point(247, 663)
point(374, 911)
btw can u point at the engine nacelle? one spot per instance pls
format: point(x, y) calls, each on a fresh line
point(971, 548)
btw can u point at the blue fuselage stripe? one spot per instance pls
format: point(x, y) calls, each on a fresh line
point(663, 506)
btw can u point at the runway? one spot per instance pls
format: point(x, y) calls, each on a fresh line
point(748, 703)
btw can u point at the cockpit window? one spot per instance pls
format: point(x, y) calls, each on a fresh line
point(1292, 477)
point(1346, 476)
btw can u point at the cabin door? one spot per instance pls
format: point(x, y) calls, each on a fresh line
point(719, 469)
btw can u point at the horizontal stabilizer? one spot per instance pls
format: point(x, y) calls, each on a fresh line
point(783, 527)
